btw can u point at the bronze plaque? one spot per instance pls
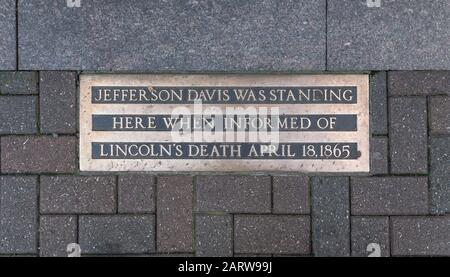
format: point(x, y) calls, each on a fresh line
point(250, 123)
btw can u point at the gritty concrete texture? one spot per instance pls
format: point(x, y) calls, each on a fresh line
point(237, 194)
point(38, 154)
point(18, 82)
point(214, 235)
point(379, 155)
point(398, 35)
point(8, 35)
point(18, 223)
point(136, 194)
point(175, 225)
point(378, 103)
point(440, 175)
point(389, 195)
point(272, 234)
point(58, 93)
point(420, 236)
point(117, 234)
point(439, 116)
point(18, 115)
point(77, 194)
point(369, 230)
point(424, 83)
point(408, 135)
point(291, 194)
point(56, 233)
point(217, 35)
point(330, 216)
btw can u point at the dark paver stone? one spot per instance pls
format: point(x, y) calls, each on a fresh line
point(249, 255)
point(219, 35)
point(379, 155)
point(264, 234)
point(439, 115)
point(389, 195)
point(18, 115)
point(169, 255)
point(234, 194)
point(214, 235)
point(33, 154)
point(291, 194)
point(117, 234)
point(56, 232)
point(175, 230)
point(368, 230)
point(400, 34)
point(136, 194)
point(440, 175)
point(18, 212)
point(330, 216)
point(419, 82)
point(8, 35)
point(408, 135)
point(18, 82)
point(378, 107)
point(414, 236)
point(78, 194)
point(58, 102)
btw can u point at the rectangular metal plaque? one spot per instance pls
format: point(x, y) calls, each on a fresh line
point(252, 123)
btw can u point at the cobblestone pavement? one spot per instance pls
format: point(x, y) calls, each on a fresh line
point(403, 205)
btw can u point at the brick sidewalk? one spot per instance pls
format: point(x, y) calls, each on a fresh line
point(46, 204)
